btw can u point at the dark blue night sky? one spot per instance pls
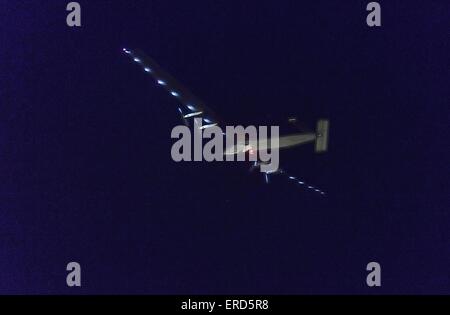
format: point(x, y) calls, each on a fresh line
point(86, 173)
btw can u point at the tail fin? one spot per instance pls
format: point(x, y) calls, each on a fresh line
point(322, 135)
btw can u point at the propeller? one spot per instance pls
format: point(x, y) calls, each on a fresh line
point(257, 165)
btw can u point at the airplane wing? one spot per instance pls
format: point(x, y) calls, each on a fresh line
point(190, 106)
point(294, 179)
point(303, 184)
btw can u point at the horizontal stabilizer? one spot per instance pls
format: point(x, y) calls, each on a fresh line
point(322, 135)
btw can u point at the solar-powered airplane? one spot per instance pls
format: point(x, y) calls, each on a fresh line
point(192, 107)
